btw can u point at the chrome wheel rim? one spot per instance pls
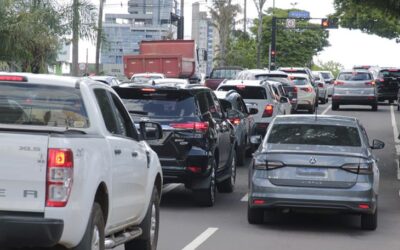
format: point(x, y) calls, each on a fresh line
point(96, 238)
point(153, 223)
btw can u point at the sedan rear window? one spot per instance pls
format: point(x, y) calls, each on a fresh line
point(247, 92)
point(42, 105)
point(354, 76)
point(310, 134)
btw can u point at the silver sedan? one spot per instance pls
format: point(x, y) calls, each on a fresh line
point(319, 163)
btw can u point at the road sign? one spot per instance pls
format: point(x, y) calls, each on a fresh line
point(299, 14)
point(290, 23)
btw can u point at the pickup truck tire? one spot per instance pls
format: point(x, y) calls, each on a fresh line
point(93, 239)
point(228, 185)
point(150, 226)
point(206, 197)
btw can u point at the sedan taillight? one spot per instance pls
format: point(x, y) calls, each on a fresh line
point(60, 165)
point(362, 168)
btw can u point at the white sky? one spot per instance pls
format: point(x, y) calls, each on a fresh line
point(349, 47)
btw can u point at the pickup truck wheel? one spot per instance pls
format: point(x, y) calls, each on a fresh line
point(228, 185)
point(93, 238)
point(206, 197)
point(150, 226)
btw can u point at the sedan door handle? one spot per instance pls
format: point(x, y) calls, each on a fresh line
point(134, 154)
point(117, 151)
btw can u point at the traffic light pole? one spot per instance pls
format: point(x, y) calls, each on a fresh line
point(273, 45)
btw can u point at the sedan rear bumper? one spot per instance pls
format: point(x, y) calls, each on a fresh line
point(340, 199)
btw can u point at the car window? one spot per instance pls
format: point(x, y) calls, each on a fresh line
point(126, 127)
point(42, 105)
point(389, 73)
point(354, 76)
point(326, 75)
point(247, 92)
point(215, 108)
point(299, 81)
point(224, 73)
point(107, 110)
point(311, 134)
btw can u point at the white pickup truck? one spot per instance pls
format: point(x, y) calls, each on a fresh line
point(74, 170)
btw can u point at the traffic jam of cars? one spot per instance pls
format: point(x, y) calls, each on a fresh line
point(154, 131)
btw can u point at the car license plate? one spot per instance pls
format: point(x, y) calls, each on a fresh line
point(312, 172)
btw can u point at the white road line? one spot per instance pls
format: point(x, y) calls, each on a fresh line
point(245, 198)
point(169, 187)
point(326, 110)
point(201, 239)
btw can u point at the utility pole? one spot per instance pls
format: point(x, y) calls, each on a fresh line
point(75, 37)
point(273, 44)
point(181, 22)
point(99, 36)
point(245, 17)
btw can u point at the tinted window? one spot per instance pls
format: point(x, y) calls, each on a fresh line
point(298, 81)
point(389, 73)
point(157, 103)
point(106, 110)
point(247, 92)
point(261, 77)
point(224, 73)
point(326, 75)
point(310, 134)
point(42, 105)
point(354, 76)
point(124, 122)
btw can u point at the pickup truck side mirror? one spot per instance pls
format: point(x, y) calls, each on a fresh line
point(150, 130)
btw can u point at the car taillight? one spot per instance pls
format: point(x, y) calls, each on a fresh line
point(267, 165)
point(268, 111)
point(13, 78)
point(60, 165)
point(381, 79)
point(295, 90)
point(362, 168)
point(235, 121)
point(197, 126)
point(338, 83)
point(307, 89)
point(370, 83)
point(320, 85)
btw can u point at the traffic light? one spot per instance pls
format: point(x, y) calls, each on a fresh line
point(329, 23)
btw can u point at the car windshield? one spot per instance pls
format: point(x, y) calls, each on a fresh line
point(311, 134)
point(157, 103)
point(354, 76)
point(224, 73)
point(247, 92)
point(389, 73)
point(42, 105)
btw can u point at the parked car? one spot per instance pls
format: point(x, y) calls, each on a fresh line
point(74, 170)
point(323, 87)
point(387, 84)
point(146, 77)
point(323, 164)
point(219, 74)
point(355, 87)
point(199, 143)
point(241, 118)
point(109, 80)
point(257, 94)
point(306, 95)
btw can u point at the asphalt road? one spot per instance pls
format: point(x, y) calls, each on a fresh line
point(185, 226)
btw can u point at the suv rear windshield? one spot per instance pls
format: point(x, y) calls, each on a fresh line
point(224, 73)
point(389, 73)
point(299, 81)
point(42, 105)
point(294, 71)
point(311, 134)
point(326, 75)
point(158, 103)
point(247, 92)
point(354, 76)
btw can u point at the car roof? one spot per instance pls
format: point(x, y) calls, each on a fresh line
point(148, 74)
point(54, 80)
point(354, 70)
point(293, 68)
point(256, 71)
point(225, 94)
point(299, 75)
point(242, 82)
point(171, 80)
point(317, 119)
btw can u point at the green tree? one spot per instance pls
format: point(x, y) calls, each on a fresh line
point(259, 5)
point(370, 16)
point(223, 16)
point(294, 47)
point(332, 66)
point(242, 51)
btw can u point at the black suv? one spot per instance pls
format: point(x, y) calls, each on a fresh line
point(387, 84)
point(198, 144)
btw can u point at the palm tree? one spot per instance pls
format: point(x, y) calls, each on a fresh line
point(259, 5)
point(99, 35)
point(223, 16)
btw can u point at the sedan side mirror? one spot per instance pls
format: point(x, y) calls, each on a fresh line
point(377, 144)
point(284, 99)
point(255, 140)
point(150, 130)
point(253, 111)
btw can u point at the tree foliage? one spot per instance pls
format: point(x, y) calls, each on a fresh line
point(332, 66)
point(379, 17)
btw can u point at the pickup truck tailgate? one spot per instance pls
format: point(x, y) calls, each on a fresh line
point(23, 159)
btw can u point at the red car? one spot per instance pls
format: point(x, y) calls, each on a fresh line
point(220, 74)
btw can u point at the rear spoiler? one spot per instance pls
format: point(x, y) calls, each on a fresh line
point(315, 153)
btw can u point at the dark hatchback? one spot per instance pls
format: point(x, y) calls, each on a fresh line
point(387, 84)
point(198, 144)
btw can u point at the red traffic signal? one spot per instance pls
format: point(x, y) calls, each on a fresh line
point(329, 23)
point(325, 23)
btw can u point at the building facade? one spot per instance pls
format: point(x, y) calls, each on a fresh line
point(147, 20)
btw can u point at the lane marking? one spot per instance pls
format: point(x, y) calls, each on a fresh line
point(326, 110)
point(169, 187)
point(245, 198)
point(201, 239)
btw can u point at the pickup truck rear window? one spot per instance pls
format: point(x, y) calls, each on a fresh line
point(247, 92)
point(309, 134)
point(42, 105)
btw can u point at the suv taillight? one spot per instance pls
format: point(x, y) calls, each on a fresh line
point(268, 111)
point(338, 83)
point(60, 165)
point(307, 89)
point(371, 83)
point(197, 126)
